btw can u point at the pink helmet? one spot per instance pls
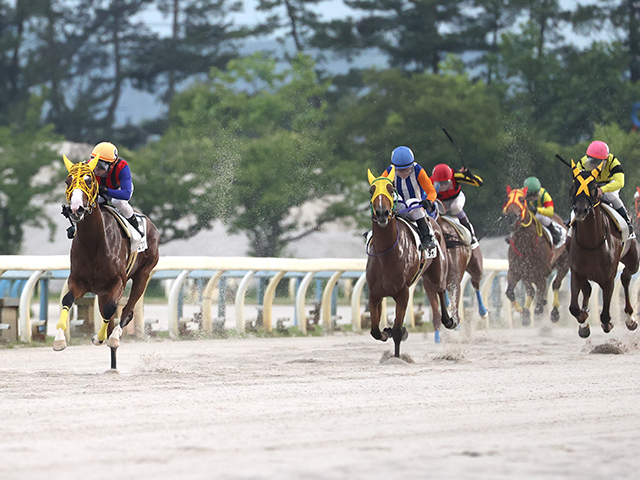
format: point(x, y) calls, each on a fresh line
point(441, 173)
point(599, 150)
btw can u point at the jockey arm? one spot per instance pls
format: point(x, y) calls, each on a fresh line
point(126, 186)
point(547, 208)
point(427, 186)
point(616, 183)
point(465, 176)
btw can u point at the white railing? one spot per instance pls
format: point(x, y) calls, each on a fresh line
point(277, 268)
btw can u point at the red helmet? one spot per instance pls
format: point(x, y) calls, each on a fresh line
point(441, 173)
point(598, 149)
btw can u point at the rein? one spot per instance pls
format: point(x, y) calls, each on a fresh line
point(386, 251)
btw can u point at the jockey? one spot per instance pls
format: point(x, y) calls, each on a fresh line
point(446, 182)
point(541, 203)
point(415, 188)
point(611, 178)
point(114, 180)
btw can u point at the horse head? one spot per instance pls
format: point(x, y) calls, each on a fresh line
point(584, 191)
point(383, 203)
point(82, 188)
point(515, 208)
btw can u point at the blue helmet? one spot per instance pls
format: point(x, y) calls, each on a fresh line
point(402, 157)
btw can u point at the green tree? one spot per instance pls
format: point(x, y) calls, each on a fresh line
point(252, 142)
point(26, 178)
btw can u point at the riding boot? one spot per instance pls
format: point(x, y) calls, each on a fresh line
point(623, 213)
point(425, 234)
point(556, 234)
point(467, 224)
point(133, 220)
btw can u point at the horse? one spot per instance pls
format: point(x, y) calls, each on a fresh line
point(595, 250)
point(101, 258)
point(532, 257)
point(395, 262)
point(462, 258)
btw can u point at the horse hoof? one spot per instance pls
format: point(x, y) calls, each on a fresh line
point(526, 318)
point(555, 315)
point(96, 342)
point(60, 341)
point(607, 327)
point(405, 334)
point(631, 324)
point(114, 338)
point(584, 331)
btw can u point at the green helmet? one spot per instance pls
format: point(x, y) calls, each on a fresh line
point(532, 184)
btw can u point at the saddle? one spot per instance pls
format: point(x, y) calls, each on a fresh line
point(461, 230)
point(138, 243)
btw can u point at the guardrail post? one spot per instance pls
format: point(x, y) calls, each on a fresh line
point(207, 300)
point(326, 299)
point(174, 295)
point(301, 296)
point(356, 319)
point(267, 307)
point(240, 294)
point(25, 307)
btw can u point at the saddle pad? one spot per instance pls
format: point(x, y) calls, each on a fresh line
point(462, 231)
point(619, 222)
point(138, 244)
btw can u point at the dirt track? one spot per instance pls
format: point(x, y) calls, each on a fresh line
point(507, 405)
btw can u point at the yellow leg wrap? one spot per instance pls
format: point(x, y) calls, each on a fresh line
point(102, 333)
point(556, 299)
point(64, 315)
point(517, 306)
point(527, 302)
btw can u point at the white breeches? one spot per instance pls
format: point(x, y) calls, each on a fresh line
point(455, 206)
point(544, 220)
point(123, 206)
point(416, 213)
point(613, 199)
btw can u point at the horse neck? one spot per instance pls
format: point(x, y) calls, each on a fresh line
point(525, 232)
point(384, 237)
point(91, 232)
point(591, 231)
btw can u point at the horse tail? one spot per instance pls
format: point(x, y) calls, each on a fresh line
point(453, 241)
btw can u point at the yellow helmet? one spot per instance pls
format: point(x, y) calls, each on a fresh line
point(105, 151)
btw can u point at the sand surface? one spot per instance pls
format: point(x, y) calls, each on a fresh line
point(496, 404)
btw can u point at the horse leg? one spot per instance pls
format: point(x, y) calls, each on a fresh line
point(530, 294)
point(447, 321)
point(512, 281)
point(375, 310)
point(138, 287)
point(432, 295)
point(630, 261)
point(476, 271)
point(108, 306)
point(541, 293)
point(579, 284)
point(605, 315)
point(60, 340)
point(398, 332)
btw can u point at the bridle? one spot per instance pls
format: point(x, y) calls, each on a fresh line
point(81, 177)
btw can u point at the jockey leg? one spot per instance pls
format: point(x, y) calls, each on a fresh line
point(613, 199)
point(464, 220)
point(418, 215)
point(556, 234)
point(128, 213)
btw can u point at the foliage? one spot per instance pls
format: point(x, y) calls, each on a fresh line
point(26, 181)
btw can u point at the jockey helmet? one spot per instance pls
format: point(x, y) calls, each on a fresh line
point(442, 173)
point(532, 184)
point(402, 157)
point(598, 149)
point(105, 151)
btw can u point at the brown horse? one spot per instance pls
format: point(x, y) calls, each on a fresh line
point(532, 257)
point(394, 263)
point(462, 258)
point(101, 258)
point(595, 249)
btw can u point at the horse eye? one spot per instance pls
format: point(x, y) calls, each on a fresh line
point(68, 181)
point(88, 180)
point(372, 189)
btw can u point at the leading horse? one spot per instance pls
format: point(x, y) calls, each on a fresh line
point(532, 257)
point(595, 249)
point(101, 258)
point(462, 258)
point(395, 262)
